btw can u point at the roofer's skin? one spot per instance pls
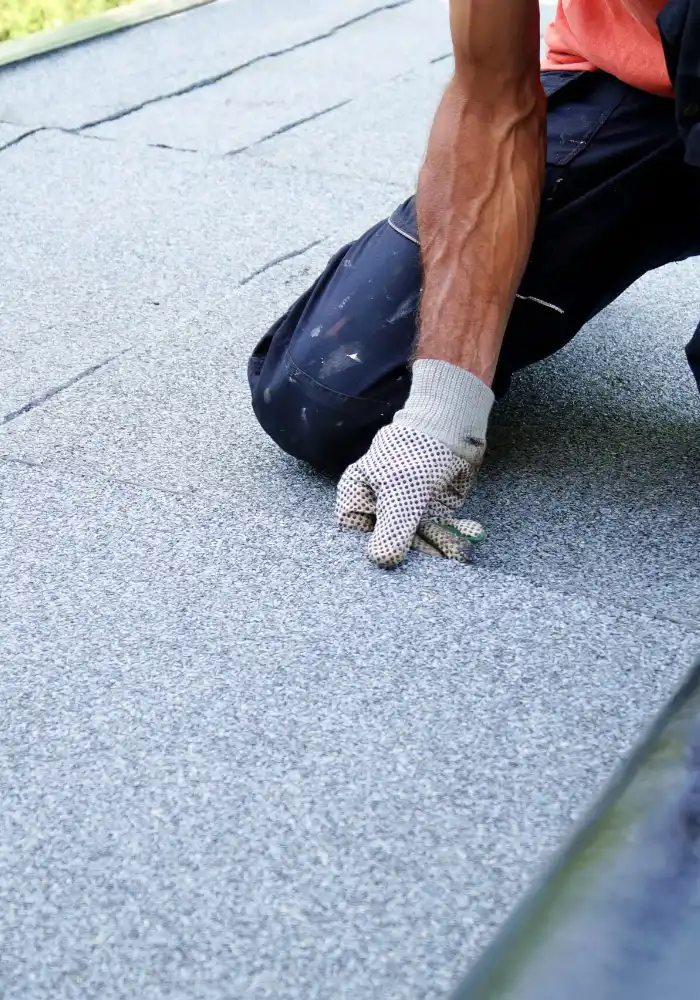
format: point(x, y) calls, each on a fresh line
point(545, 192)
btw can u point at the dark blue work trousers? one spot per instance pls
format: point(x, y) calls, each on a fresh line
point(618, 201)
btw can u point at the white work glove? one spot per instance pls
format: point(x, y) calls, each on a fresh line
point(420, 469)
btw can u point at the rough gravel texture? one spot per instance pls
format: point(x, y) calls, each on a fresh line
point(235, 760)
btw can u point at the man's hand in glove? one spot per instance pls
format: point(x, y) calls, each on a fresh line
point(419, 469)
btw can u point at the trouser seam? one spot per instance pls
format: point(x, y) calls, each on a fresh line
point(402, 232)
point(540, 302)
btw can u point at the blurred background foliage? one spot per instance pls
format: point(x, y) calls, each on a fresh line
point(22, 17)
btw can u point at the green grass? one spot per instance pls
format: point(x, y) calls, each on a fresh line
point(22, 17)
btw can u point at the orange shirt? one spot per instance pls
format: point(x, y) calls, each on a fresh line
point(618, 36)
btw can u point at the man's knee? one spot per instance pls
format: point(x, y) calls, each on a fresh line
point(334, 368)
point(308, 421)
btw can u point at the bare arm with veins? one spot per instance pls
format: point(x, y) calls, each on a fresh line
point(479, 189)
point(478, 199)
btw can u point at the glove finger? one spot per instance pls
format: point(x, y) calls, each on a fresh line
point(358, 522)
point(419, 544)
point(355, 504)
point(453, 494)
point(470, 529)
point(440, 512)
point(447, 539)
point(399, 511)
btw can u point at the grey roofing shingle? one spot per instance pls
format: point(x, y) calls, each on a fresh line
point(98, 238)
point(9, 134)
point(238, 761)
point(117, 72)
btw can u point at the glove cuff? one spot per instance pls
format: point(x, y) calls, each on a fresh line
point(449, 404)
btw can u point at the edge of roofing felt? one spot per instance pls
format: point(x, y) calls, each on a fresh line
point(86, 28)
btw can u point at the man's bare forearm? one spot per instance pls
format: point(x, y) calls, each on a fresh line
point(479, 189)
